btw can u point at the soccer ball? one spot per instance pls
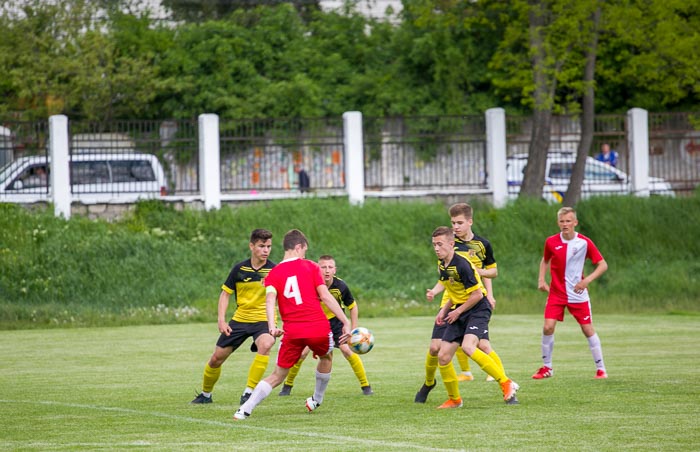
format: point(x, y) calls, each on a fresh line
point(361, 340)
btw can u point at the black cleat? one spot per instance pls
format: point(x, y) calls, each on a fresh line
point(245, 396)
point(286, 390)
point(512, 401)
point(201, 398)
point(367, 390)
point(422, 394)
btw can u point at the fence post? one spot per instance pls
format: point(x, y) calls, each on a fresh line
point(353, 142)
point(60, 168)
point(496, 155)
point(638, 142)
point(209, 171)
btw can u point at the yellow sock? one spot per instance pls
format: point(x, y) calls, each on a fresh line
point(257, 370)
point(431, 365)
point(211, 376)
point(488, 365)
point(497, 359)
point(463, 360)
point(449, 379)
point(293, 371)
point(359, 369)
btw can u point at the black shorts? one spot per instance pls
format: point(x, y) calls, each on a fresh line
point(475, 321)
point(438, 331)
point(241, 331)
point(337, 329)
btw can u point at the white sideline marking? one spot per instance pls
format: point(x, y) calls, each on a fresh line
point(235, 425)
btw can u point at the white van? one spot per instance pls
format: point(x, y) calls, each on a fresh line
point(94, 178)
point(599, 178)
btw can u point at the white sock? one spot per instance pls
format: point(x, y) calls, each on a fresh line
point(467, 372)
point(206, 394)
point(262, 390)
point(247, 390)
point(547, 348)
point(596, 351)
point(321, 385)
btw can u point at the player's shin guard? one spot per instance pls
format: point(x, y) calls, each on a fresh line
point(211, 376)
point(257, 370)
point(463, 360)
point(497, 359)
point(321, 385)
point(293, 372)
point(449, 379)
point(489, 366)
point(359, 369)
point(431, 365)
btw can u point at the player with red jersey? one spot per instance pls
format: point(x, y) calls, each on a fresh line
point(566, 253)
point(297, 288)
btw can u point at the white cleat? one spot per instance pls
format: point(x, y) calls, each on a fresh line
point(240, 415)
point(311, 404)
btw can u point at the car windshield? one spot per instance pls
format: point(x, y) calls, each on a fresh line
point(8, 169)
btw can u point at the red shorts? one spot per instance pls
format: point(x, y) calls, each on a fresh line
point(581, 311)
point(291, 348)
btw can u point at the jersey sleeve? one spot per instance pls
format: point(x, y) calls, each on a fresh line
point(346, 295)
point(592, 252)
point(489, 259)
point(230, 285)
point(466, 274)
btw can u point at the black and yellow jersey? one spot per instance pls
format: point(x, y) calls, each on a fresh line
point(478, 250)
point(460, 279)
point(247, 283)
point(341, 292)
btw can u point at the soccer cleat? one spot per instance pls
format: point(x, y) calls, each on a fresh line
point(367, 390)
point(509, 388)
point(512, 401)
point(465, 377)
point(543, 372)
point(201, 398)
point(286, 390)
point(240, 415)
point(244, 397)
point(451, 404)
point(311, 404)
point(601, 374)
point(422, 394)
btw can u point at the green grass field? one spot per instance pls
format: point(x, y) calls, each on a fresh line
point(129, 388)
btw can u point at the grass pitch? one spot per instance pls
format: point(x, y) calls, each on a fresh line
point(130, 388)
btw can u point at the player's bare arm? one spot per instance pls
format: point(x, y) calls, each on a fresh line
point(541, 282)
point(431, 293)
point(488, 272)
point(222, 321)
point(354, 316)
point(335, 308)
point(440, 317)
point(270, 306)
point(600, 268)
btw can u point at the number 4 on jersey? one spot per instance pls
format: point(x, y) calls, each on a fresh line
point(291, 289)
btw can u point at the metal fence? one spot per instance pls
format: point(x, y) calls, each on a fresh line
point(674, 149)
point(270, 154)
point(22, 142)
point(425, 152)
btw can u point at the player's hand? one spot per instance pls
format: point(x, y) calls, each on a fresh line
point(439, 319)
point(452, 316)
point(543, 286)
point(276, 332)
point(492, 301)
point(580, 286)
point(429, 294)
point(224, 328)
point(343, 339)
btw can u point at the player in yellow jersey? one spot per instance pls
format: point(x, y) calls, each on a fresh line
point(466, 316)
point(480, 253)
point(341, 292)
point(246, 281)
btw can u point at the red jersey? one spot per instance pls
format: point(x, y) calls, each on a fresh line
point(296, 281)
point(566, 258)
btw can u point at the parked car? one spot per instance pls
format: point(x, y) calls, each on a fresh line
point(599, 178)
point(93, 177)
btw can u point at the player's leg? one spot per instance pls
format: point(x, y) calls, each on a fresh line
point(289, 353)
point(292, 375)
point(262, 344)
point(553, 312)
point(225, 345)
point(431, 365)
point(582, 314)
point(485, 346)
point(463, 360)
point(323, 370)
point(448, 374)
point(358, 368)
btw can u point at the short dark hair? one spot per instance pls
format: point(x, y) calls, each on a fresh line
point(260, 235)
point(293, 238)
point(461, 208)
point(443, 230)
point(326, 257)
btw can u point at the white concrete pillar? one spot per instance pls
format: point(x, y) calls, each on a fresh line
point(209, 158)
point(638, 143)
point(354, 157)
point(496, 155)
point(60, 166)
